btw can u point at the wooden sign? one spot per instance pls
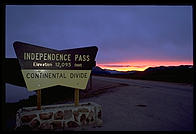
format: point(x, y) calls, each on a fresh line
point(43, 67)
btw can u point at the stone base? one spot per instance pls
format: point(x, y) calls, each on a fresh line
point(59, 117)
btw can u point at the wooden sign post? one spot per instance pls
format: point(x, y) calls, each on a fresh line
point(39, 99)
point(91, 82)
point(76, 97)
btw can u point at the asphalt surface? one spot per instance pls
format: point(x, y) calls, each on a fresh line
point(143, 105)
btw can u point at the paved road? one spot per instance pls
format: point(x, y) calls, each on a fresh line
point(145, 106)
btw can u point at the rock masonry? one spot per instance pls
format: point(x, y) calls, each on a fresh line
point(59, 117)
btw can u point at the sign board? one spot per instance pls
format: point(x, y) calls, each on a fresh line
point(43, 67)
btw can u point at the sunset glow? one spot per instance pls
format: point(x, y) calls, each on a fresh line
point(141, 65)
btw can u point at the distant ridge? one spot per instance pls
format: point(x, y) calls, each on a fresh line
point(99, 70)
point(182, 73)
point(13, 74)
point(168, 68)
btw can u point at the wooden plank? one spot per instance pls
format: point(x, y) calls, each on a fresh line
point(76, 97)
point(39, 99)
point(91, 82)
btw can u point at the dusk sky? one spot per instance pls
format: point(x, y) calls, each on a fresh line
point(128, 37)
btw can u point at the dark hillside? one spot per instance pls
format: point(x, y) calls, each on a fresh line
point(181, 74)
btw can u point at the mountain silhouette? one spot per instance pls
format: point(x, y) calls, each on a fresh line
point(13, 74)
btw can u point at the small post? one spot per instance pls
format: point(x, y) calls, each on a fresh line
point(91, 81)
point(39, 99)
point(76, 97)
